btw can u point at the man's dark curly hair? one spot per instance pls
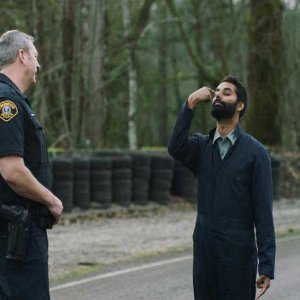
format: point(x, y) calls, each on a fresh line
point(240, 91)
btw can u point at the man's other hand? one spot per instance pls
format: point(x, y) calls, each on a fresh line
point(262, 283)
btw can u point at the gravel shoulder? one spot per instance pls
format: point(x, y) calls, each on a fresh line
point(94, 238)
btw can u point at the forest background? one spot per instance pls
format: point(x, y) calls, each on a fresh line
point(116, 72)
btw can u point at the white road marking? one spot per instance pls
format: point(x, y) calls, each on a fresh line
point(121, 272)
point(142, 267)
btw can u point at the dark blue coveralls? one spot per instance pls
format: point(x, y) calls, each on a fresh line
point(234, 202)
point(21, 134)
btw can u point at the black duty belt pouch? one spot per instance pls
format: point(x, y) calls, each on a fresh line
point(44, 218)
point(18, 233)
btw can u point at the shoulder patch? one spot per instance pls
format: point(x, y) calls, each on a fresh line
point(8, 110)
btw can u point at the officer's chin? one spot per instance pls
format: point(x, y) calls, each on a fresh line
point(34, 79)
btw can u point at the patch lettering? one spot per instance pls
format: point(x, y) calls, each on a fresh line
point(8, 110)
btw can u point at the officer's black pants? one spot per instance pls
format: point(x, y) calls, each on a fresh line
point(28, 279)
point(224, 268)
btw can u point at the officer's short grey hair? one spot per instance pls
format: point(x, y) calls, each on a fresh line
point(10, 43)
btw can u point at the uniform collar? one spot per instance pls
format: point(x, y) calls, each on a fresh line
point(5, 79)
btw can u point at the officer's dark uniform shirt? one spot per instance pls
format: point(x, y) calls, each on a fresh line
point(21, 134)
point(234, 206)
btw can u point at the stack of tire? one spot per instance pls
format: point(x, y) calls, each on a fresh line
point(81, 188)
point(141, 171)
point(121, 179)
point(100, 181)
point(161, 178)
point(62, 169)
point(184, 183)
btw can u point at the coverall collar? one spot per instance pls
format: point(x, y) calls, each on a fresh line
point(237, 131)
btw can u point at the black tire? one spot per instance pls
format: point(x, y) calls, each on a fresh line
point(82, 200)
point(102, 175)
point(83, 175)
point(141, 172)
point(81, 194)
point(122, 197)
point(101, 185)
point(140, 160)
point(81, 163)
point(63, 164)
point(161, 174)
point(139, 196)
point(163, 185)
point(122, 185)
point(160, 197)
point(121, 174)
point(64, 176)
point(101, 197)
point(121, 162)
point(140, 185)
point(81, 185)
point(162, 162)
point(111, 153)
point(100, 163)
point(64, 191)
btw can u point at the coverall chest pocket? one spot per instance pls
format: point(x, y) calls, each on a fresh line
point(39, 147)
point(241, 183)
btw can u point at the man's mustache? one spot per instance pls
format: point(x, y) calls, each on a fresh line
point(218, 101)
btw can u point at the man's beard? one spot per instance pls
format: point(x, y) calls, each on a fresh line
point(223, 111)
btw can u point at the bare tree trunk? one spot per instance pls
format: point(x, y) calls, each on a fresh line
point(264, 118)
point(202, 121)
point(68, 50)
point(96, 50)
point(132, 32)
point(132, 74)
point(291, 124)
point(77, 110)
point(162, 105)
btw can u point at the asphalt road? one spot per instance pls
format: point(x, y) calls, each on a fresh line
point(169, 277)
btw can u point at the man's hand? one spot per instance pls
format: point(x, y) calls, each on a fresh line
point(21, 180)
point(56, 207)
point(204, 94)
point(262, 283)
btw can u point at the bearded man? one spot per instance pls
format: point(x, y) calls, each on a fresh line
point(234, 230)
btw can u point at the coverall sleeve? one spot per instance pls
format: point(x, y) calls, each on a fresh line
point(262, 196)
point(181, 147)
point(11, 128)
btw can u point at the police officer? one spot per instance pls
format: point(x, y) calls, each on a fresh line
point(27, 207)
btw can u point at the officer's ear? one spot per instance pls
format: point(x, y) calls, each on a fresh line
point(22, 55)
